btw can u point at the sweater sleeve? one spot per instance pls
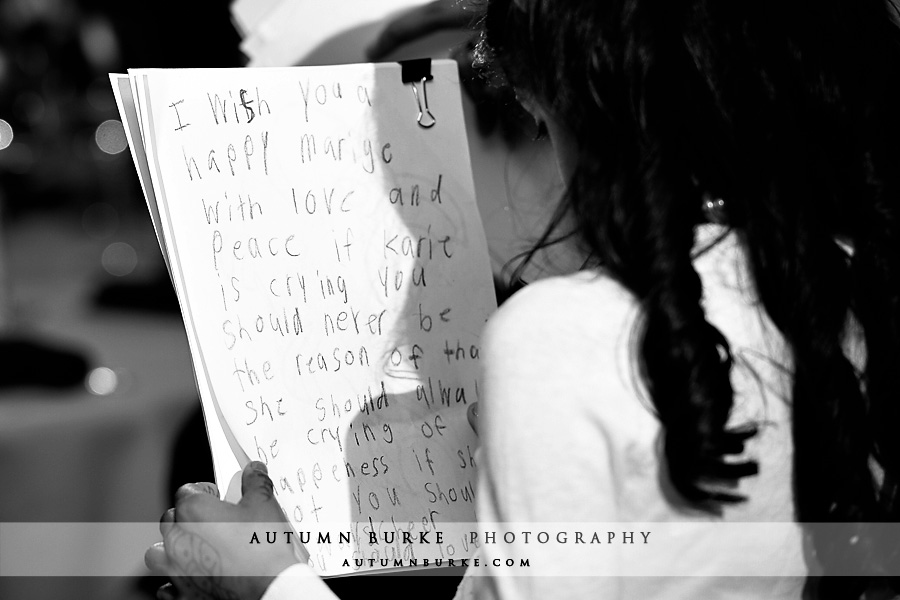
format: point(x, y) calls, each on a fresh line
point(298, 582)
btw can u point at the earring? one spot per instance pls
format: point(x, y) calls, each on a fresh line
point(714, 209)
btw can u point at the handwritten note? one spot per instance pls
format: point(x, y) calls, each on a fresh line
point(334, 280)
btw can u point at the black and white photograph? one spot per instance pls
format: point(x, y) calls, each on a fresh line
point(450, 299)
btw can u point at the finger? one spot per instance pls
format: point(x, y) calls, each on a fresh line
point(209, 487)
point(166, 521)
point(472, 416)
point(201, 508)
point(196, 502)
point(156, 560)
point(255, 484)
point(190, 489)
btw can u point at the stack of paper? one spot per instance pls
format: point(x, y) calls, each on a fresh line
point(334, 281)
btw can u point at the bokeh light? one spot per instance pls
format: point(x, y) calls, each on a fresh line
point(110, 136)
point(6, 134)
point(98, 42)
point(101, 381)
point(119, 259)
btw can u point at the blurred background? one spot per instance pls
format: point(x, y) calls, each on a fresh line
point(96, 389)
point(99, 415)
point(55, 95)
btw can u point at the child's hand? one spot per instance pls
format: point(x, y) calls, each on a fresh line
point(214, 549)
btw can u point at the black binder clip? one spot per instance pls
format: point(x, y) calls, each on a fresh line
point(418, 71)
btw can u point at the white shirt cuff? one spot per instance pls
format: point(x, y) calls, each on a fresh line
point(298, 581)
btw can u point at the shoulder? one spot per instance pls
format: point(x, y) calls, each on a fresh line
point(582, 308)
point(568, 338)
point(562, 396)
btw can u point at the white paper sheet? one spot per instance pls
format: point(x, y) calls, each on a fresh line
point(334, 279)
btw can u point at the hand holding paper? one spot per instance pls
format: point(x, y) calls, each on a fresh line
point(209, 548)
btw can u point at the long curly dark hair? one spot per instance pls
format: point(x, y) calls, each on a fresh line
point(790, 111)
